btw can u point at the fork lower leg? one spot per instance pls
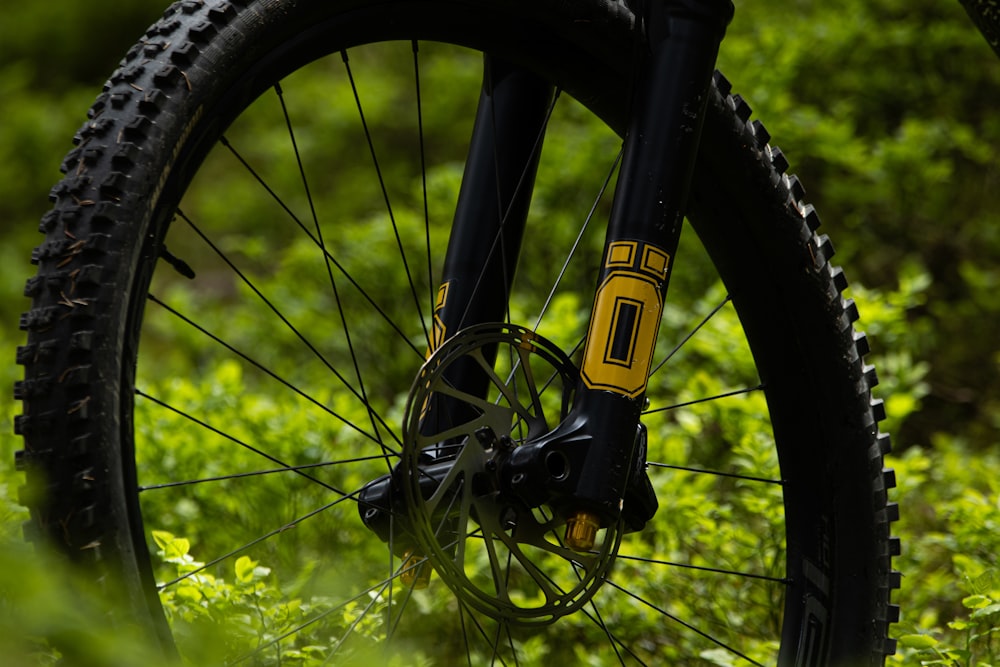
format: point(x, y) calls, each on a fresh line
point(601, 434)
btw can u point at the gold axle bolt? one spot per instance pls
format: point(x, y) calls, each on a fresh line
point(416, 571)
point(581, 530)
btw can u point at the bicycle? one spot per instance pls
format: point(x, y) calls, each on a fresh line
point(525, 463)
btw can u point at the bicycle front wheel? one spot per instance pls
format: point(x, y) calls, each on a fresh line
point(238, 287)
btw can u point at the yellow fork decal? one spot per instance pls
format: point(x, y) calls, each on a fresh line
point(627, 312)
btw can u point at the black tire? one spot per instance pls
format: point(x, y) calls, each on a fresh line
point(823, 586)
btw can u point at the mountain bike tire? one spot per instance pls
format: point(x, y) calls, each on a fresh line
point(173, 99)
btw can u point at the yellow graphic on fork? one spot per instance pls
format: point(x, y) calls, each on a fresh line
point(626, 317)
point(439, 331)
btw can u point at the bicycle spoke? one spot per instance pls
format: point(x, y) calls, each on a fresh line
point(701, 568)
point(328, 256)
point(258, 540)
point(362, 393)
point(235, 440)
point(702, 471)
point(687, 625)
point(357, 621)
point(257, 473)
point(393, 623)
point(423, 184)
point(279, 91)
point(523, 182)
point(505, 627)
point(465, 612)
point(727, 394)
point(579, 237)
point(270, 373)
point(715, 311)
point(319, 617)
point(596, 617)
point(291, 327)
point(385, 192)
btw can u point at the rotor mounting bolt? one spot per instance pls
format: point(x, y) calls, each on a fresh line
point(486, 437)
point(581, 530)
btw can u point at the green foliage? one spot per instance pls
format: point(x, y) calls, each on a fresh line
point(249, 615)
point(881, 108)
point(886, 109)
point(41, 600)
point(54, 56)
point(888, 318)
point(62, 42)
point(952, 531)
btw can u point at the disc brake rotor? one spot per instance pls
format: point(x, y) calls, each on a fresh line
point(499, 556)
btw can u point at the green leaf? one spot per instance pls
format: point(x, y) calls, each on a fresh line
point(984, 582)
point(190, 593)
point(976, 602)
point(917, 641)
point(245, 569)
point(989, 610)
point(162, 538)
point(173, 547)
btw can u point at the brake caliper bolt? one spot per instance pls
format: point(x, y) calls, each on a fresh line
point(581, 530)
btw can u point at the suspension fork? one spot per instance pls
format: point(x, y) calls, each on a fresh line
point(489, 221)
point(602, 440)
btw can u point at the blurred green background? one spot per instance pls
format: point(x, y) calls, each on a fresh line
point(887, 110)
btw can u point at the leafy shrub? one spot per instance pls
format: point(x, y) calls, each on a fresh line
point(951, 533)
